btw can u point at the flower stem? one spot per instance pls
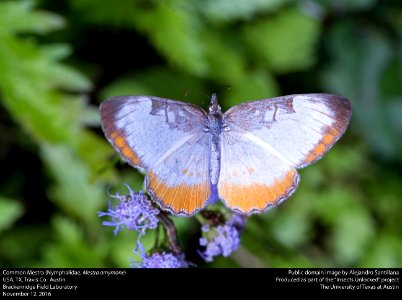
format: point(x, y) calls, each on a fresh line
point(171, 233)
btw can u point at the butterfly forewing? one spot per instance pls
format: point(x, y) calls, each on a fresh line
point(299, 128)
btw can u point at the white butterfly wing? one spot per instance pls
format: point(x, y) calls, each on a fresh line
point(167, 139)
point(273, 137)
point(301, 128)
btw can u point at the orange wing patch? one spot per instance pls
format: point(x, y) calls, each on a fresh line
point(179, 199)
point(323, 146)
point(258, 197)
point(119, 142)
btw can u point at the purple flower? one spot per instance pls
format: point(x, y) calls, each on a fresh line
point(238, 221)
point(205, 228)
point(222, 239)
point(162, 260)
point(134, 211)
point(158, 260)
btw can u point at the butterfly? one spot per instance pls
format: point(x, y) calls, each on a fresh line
point(246, 157)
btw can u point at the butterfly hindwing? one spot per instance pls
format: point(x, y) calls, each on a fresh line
point(252, 177)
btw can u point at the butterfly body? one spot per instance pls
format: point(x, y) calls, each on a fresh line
point(247, 157)
point(215, 127)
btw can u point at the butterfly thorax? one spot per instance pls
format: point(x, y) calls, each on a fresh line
point(215, 117)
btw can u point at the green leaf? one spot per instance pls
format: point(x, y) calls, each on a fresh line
point(353, 232)
point(119, 13)
point(15, 251)
point(17, 17)
point(67, 231)
point(347, 220)
point(224, 53)
point(160, 82)
point(344, 162)
point(56, 52)
point(384, 252)
point(178, 35)
point(292, 226)
point(384, 194)
point(252, 86)
point(66, 77)
point(232, 10)
point(10, 211)
point(71, 248)
point(28, 81)
point(95, 153)
point(285, 42)
point(343, 5)
point(359, 63)
point(74, 191)
point(120, 248)
point(331, 204)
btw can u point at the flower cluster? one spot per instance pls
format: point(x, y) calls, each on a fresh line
point(221, 239)
point(134, 211)
point(161, 260)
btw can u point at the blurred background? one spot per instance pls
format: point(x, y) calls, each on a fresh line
point(60, 59)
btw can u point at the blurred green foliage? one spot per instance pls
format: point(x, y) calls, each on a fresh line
point(59, 59)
